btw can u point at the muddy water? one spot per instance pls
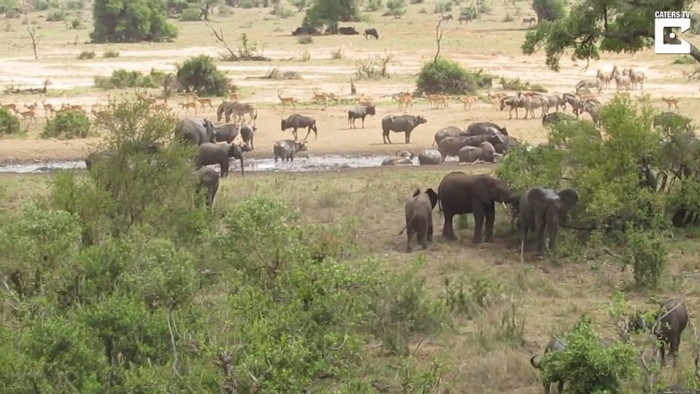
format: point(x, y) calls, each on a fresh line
point(300, 164)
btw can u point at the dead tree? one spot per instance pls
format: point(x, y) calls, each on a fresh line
point(241, 54)
point(31, 29)
point(438, 39)
point(353, 90)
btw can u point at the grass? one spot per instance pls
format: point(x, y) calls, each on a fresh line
point(484, 354)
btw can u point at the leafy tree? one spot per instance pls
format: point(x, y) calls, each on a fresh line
point(447, 76)
point(199, 74)
point(600, 25)
point(67, 125)
point(130, 21)
point(9, 123)
point(549, 10)
point(330, 12)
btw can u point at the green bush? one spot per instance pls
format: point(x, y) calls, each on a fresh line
point(110, 54)
point(75, 4)
point(39, 5)
point(76, 24)
point(199, 74)
point(588, 367)
point(86, 55)
point(67, 125)
point(684, 59)
point(508, 18)
point(55, 15)
point(190, 15)
point(516, 84)
point(9, 123)
point(442, 6)
point(374, 5)
point(133, 21)
point(447, 76)
point(549, 10)
point(305, 39)
point(122, 79)
point(396, 8)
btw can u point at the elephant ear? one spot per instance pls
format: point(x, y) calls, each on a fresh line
point(417, 192)
point(535, 196)
point(569, 198)
point(432, 196)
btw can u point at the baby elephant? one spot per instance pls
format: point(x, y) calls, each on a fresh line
point(210, 153)
point(419, 217)
point(207, 178)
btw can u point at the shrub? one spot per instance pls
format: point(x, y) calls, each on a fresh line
point(200, 74)
point(110, 54)
point(86, 55)
point(374, 67)
point(9, 123)
point(587, 366)
point(684, 59)
point(447, 76)
point(397, 8)
point(55, 15)
point(122, 79)
point(442, 6)
point(67, 125)
point(299, 4)
point(75, 4)
point(374, 5)
point(305, 39)
point(76, 24)
point(39, 5)
point(133, 21)
point(281, 12)
point(549, 10)
point(508, 18)
point(516, 84)
point(190, 15)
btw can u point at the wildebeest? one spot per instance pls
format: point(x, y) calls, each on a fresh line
point(297, 121)
point(226, 133)
point(348, 31)
point(668, 325)
point(371, 32)
point(449, 131)
point(464, 18)
point(400, 123)
point(287, 149)
point(247, 135)
point(429, 156)
point(478, 128)
point(446, 18)
point(306, 30)
point(360, 112)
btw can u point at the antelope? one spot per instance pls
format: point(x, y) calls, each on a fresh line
point(12, 107)
point(670, 101)
point(495, 99)
point(145, 99)
point(28, 114)
point(364, 99)
point(203, 101)
point(160, 107)
point(468, 101)
point(31, 107)
point(287, 101)
point(233, 96)
point(48, 109)
point(320, 97)
point(189, 96)
point(404, 99)
point(100, 115)
point(189, 105)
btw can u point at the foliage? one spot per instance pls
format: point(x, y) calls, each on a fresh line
point(397, 8)
point(76, 23)
point(374, 5)
point(593, 25)
point(516, 84)
point(86, 55)
point(67, 125)
point(55, 15)
point(132, 21)
point(199, 74)
point(305, 39)
point(122, 79)
point(299, 4)
point(587, 366)
point(9, 123)
point(508, 18)
point(549, 10)
point(683, 59)
point(633, 184)
point(330, 12)
point(110, 54)
point(448, 76)
point(191, 15)
point(374, 67)
point(442, 6)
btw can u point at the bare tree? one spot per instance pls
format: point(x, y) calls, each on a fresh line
point(31, 29)
point(438, 39)
point(245, 52)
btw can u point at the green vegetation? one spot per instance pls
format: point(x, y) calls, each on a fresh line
point(331, 12)
point(191, 15)
point(55, 15)
point(549, 10)
point(683, 59)
point(397, 8)
point(135, 21)
point(86, 55)
point(122, 79)
point(516, 84)
point(66, 126)
point(110, 54)
point(9, 123)
point(199, 74)
point(447, 76)
point(442, 6)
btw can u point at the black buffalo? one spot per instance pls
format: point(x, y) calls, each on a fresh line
point(306, 31)
point(401, 123)
point(371, 32)
point(479, 128)
point(348, 31)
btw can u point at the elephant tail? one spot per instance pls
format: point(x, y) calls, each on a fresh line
point(536, 364)
point(402, 230)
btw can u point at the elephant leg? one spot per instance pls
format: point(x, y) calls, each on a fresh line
point(479, 212)
point(675, 343)
point(430, 229)
point(553, 230)
point(490, 219)
point(539, 233)
point(409, 237)
point(560, 386)
point(423, 235)
point(448, 231)
point(224, 168)
point(662, 349)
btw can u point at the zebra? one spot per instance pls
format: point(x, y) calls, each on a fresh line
point(239, 110)
point(573, 101)
point(593, 109)
point(537, 101)
point(554, 101)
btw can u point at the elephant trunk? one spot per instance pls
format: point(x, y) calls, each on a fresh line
point(242, 171)
point(536, 361)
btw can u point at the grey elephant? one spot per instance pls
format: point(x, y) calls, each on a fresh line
point(419, 217)
point(461, 193)
point(668, 325)
point(195, 130)
point(429, 156)
point(220, 154)
point(248, 134)
point(484, 152)
point(554, 345)
point(207, 178)
point(287, 149)
point(544, 210)
point(226, 132)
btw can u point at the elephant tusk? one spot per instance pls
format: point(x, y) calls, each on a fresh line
point(504, 205)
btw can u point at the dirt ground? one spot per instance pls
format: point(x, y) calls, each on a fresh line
point(488, 44)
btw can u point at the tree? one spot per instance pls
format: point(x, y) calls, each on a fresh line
point(595, 25)
point(330, 12)
point(132, 21)
point(199, 74)
point(34, 37)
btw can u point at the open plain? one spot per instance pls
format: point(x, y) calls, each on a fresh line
point(488, 352)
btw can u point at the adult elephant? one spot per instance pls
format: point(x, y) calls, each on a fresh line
point(543, 210)
point(209, 154)
point(195, 130)
point(460, 193)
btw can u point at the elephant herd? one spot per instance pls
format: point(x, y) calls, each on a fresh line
point(666, 324)
point(539, 209)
